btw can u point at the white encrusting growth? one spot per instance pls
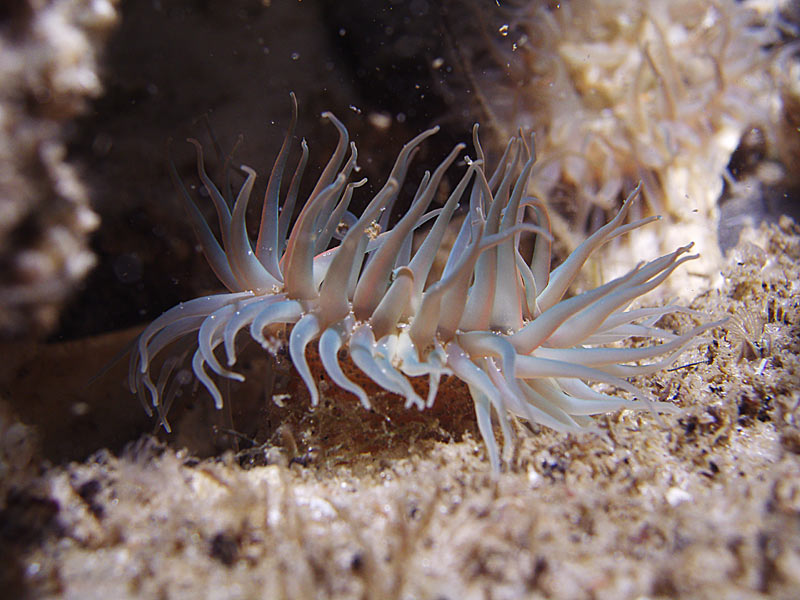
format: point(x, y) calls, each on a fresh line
point(497, 321)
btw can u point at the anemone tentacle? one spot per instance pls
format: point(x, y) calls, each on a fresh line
point(494, 318)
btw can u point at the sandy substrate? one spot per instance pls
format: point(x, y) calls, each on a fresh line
point(703, 505)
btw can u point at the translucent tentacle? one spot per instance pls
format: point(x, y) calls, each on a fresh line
point(268, 246)
point(330, 342)
point(305, 330)
point(240, 319)
point(287, 210)
point(564, 274)
point(288, 311)
point(215, 254)
point(209, 338)
point(245, 265)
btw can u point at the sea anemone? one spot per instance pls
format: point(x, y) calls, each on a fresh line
point(623, 91)
point(495, 320)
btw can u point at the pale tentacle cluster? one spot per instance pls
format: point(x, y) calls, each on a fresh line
point(493, 319)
